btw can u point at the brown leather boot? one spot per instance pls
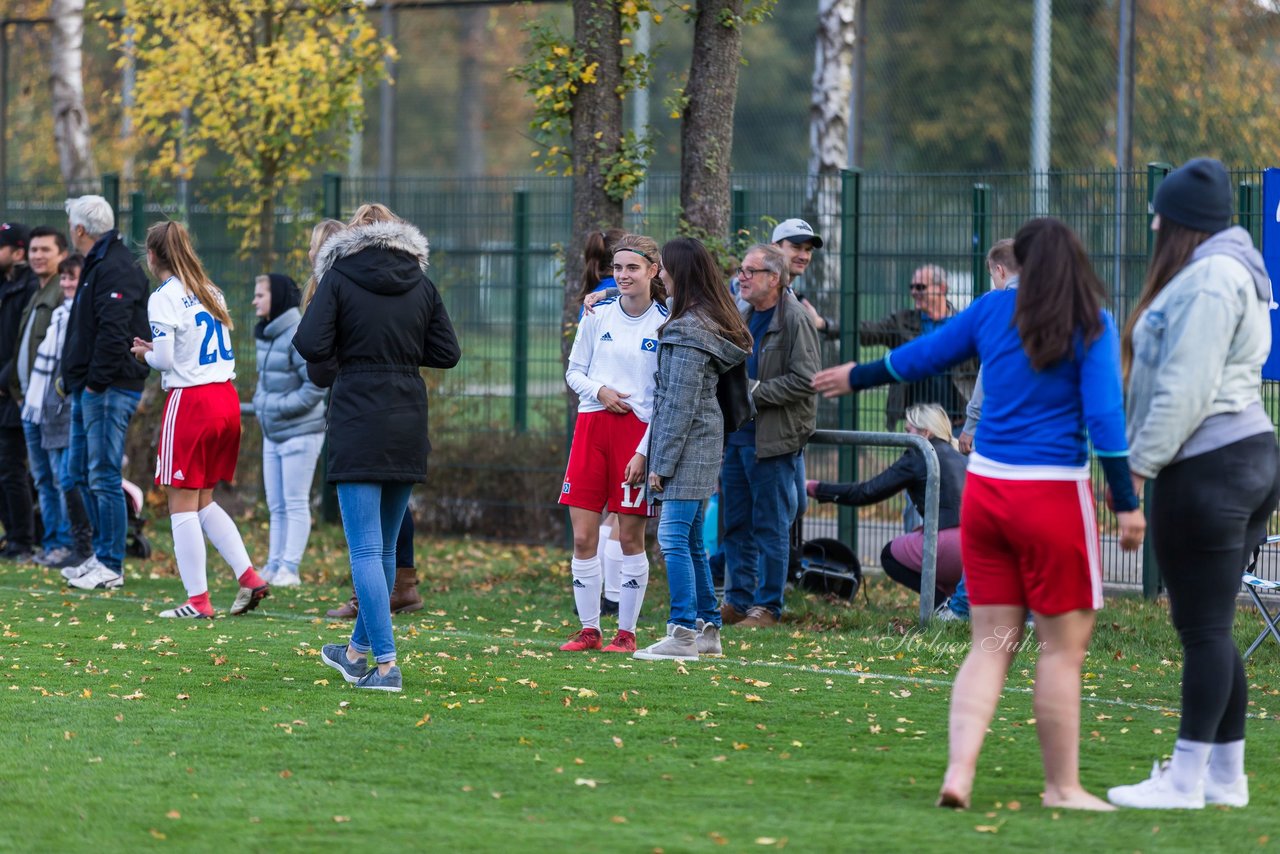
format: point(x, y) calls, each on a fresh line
point(404, 596)
point(346, 611)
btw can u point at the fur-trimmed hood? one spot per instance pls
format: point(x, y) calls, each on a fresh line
point(392, 236)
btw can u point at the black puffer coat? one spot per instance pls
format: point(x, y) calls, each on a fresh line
point(380, 318)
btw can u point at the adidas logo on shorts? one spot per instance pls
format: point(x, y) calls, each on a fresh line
point(178, 475)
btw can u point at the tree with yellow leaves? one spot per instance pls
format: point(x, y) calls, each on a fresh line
point(273, 86)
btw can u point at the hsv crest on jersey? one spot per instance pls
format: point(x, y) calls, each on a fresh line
point(565, 489)
point(649, 345)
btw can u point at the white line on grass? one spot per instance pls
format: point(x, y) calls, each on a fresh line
point(799, 668)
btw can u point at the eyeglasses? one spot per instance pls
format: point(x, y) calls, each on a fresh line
point(749, 272)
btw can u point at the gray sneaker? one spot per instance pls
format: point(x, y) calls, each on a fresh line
point(709, 640)
point(335, 655)
point(375, 681)
point(680, 644)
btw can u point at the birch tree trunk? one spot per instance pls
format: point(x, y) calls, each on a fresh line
point(597, 128)
point(706, 132)
point(66, 82)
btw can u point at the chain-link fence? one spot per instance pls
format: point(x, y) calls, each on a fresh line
point(499, 421)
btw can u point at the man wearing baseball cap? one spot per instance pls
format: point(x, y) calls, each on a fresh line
point(797, 241)
point(17, 285)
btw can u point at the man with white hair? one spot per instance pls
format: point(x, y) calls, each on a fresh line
point(103, 380)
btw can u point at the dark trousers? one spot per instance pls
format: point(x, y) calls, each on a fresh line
point(15, 489)
point(404, 542)
point(1208, 513)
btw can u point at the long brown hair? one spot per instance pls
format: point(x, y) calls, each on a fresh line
point(1059, 294)
point(699, 287)
point(647, 248)
point(371, 212)
point(174, 254)
point(323, 230)
point(597, 259)
point(1175, 244)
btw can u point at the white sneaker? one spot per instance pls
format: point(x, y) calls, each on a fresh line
point(89, 565)
point(944, 614)
point(680, 644)
point(1228, 794)
point(99, 578)
point(1157, 792)
point(269, 573)
point(284, 578)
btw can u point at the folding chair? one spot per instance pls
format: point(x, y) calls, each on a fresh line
point(1255, 586)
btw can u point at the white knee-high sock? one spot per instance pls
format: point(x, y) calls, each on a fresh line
point(1226, 761)
point(602, 540)
point(1190, 759)
point(188, 550)
point(612, 565)
point(635, 579)
point(222, 532)
point(586, 591)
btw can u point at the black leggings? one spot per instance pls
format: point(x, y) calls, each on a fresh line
point(1207, 515)
point(905, 575)
point(404, 542)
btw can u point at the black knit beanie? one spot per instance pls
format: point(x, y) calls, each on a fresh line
point(1197, 195)
point(284, 296)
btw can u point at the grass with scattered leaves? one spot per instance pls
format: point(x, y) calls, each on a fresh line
point(122, 731)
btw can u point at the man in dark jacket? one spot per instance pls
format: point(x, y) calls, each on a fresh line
point(758, 477)
point(17, 285)
point(45, 251)
point(103, 380)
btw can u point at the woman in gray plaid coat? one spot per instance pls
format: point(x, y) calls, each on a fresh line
point(703, 338)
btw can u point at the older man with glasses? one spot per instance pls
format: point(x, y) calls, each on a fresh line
point(758, 476)
point(930, 309)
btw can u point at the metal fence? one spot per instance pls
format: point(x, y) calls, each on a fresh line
point(499, 420)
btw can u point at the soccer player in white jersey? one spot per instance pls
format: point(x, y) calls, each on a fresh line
point(200, 432)
point(611, 367)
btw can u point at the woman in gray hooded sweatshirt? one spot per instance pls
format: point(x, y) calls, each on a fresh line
point(1193, 351)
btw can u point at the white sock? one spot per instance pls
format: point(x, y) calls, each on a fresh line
point(635, 578)
point(1190, 758)
point(586, 591)
point(1226, 761)
point(188, 550)
point(221, 531)
point(612, 564)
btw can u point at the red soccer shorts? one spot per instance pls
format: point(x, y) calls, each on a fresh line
point(1032, 543)
point(199, 436)
point(603, 443)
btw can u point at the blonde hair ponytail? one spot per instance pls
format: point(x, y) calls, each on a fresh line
point(171, 245)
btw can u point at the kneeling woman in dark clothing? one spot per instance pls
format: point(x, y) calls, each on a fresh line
point(903, 556)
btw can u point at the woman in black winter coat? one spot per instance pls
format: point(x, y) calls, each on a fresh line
point(903, 556)
point(377, 319)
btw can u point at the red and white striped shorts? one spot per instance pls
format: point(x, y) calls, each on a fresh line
point(199, 436)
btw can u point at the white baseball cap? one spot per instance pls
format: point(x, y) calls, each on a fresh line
point(797, 231)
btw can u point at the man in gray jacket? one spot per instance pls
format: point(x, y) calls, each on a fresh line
point(758, 476)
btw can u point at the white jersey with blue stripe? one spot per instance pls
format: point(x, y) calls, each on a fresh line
point(617, 351)
point(202, 353)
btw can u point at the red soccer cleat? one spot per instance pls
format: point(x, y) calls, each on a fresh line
point(583, 640)
point(622, 642)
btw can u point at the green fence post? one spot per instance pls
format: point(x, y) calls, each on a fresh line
point(111, 192)
point(138, 217)
point(850, 237)
point(520, 343)
point(331, 209)
point(1250, 207)
point(1151, 583)
point(738, 218)
point(981, 237)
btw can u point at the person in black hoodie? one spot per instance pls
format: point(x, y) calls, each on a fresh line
point(17, 285)
point(377, 318)
point(103, 380)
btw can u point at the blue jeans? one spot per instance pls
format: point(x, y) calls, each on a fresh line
point(959, 601)
point(53, 509)
point(371, 517)
point(104, 422)
point(688, 573)
point(288, 467)
point(759, 503)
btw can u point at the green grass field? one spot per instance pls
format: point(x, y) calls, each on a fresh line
point(125, 732)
